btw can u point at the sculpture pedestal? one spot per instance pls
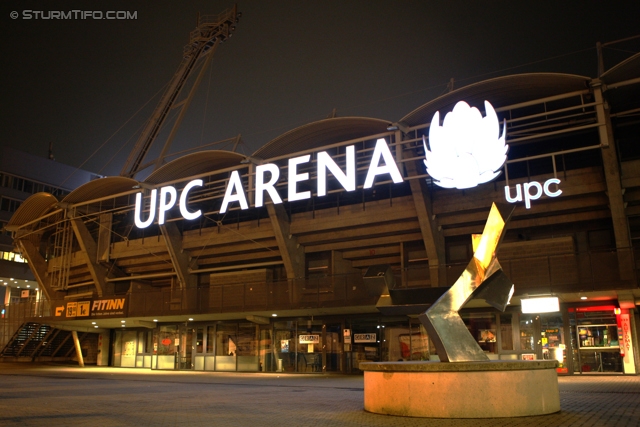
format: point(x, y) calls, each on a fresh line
point(491, 389)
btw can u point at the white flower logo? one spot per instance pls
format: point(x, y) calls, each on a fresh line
point(467, 149)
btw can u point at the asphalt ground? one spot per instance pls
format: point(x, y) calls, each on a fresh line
point(62, 395)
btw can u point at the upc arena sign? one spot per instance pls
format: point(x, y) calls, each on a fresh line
point(451, 163)
point(382, 163)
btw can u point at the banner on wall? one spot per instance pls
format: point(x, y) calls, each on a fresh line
point(626, 344)
point(309, 339)
point(93, 308)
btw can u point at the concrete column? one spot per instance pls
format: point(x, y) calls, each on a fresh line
point(7, 295)
point(76, 341)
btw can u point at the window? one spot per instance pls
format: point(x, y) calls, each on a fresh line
point(9, 205)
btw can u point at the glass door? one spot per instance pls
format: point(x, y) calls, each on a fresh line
point(198, 349)
point(282, 357)
point(552, 340)
point(124, 349)
point(247, 347)
point(311, 356)
point(226, 346)
point(333, 348)
point(165, 345)
point(185, 348)
point(144, 353)
point(204, 348)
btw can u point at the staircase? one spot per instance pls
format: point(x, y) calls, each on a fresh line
point(34, 340)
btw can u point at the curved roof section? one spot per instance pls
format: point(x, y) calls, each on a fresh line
point(195, 164)
point(626, 70)
point(98, 188)
point(501, 91)
point(321, 133)
point(33, 208)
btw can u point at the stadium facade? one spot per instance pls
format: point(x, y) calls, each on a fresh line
point(320, 250)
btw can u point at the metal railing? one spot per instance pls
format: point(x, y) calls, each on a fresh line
point(570, 272)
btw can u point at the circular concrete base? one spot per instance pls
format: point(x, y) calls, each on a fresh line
point(491, 389)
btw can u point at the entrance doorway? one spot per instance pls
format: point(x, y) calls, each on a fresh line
point(185, 348)
point(228, 347)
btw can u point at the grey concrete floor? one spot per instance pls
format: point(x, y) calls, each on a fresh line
point(60, 395)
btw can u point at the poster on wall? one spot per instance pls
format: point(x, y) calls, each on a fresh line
point(362, 338)
point(284, 346)
point(487, 335)
point(129, 348)
point(414, 346)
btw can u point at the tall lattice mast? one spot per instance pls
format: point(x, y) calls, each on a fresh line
point(211, 30)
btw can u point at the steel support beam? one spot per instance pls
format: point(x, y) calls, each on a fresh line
point(179, 258)
point(290, 250)
point(433, 238)
point(37, 264)
point(611, 165)
point(89, 251)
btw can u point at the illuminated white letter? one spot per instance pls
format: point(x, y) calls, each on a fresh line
point(390, 167)
point(164, 204)
point(152, 210)
point(234, 183)
point(294, 177)
point(348, 180)
point(183, 200)
point(261, 186)
point(527, 194)
point(507, 194)
point(549, 192)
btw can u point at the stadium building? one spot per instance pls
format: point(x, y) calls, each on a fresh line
point(319, 250)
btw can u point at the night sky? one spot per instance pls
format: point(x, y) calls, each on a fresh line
point(74, 83)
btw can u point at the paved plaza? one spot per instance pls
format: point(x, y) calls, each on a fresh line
point(62, 395)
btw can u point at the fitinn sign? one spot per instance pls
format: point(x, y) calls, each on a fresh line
point(109, 307)
point(465, 151)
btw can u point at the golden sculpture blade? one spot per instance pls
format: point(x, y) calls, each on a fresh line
point(483, 278)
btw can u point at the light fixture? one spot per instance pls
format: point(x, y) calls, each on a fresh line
point(540, 305)
point(123, 321)
point(96, 326)
point(93, 323)
point(274, 315)
point(583, 297)
point(401, 126)
point(190, 319)
point(155, 320)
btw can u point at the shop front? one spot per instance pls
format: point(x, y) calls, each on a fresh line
point(602, 340)
point(584, 340)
